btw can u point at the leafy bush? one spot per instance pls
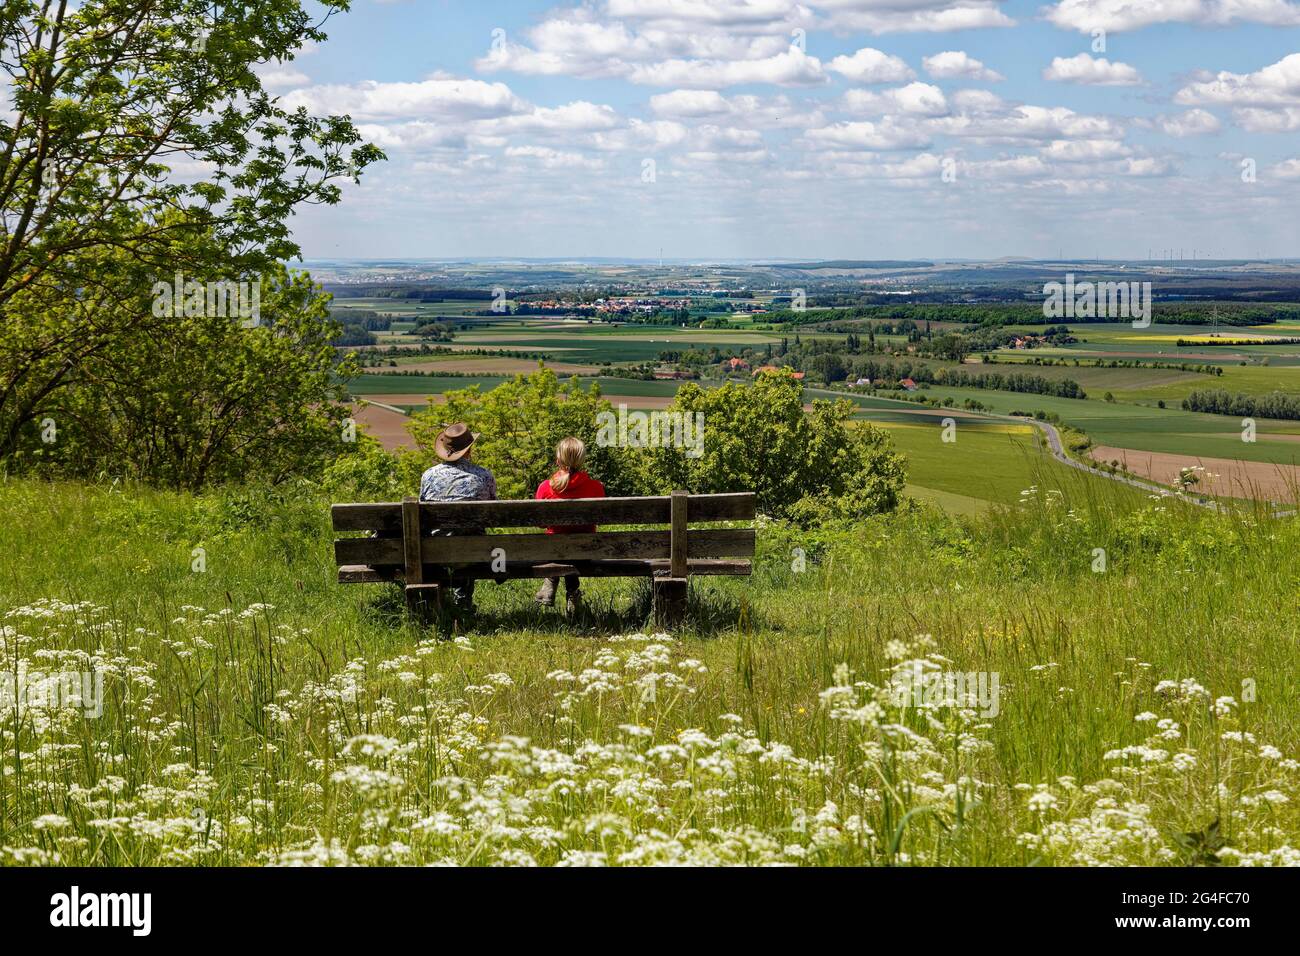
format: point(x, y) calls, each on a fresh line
point(756, 437)
point(371, 474)
point(520, 422)
point(191, 401)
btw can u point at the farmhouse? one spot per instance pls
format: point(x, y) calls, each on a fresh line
point(908, 384)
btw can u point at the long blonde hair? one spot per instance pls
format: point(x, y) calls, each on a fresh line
point(569, 455)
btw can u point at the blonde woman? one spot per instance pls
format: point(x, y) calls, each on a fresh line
point(568, 481)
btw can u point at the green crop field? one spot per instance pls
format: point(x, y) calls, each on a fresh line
point(988, 463)
point(411, 309)
point(1249, 380)
point(1148, 428)
point(1160, 343)
point(1149, 384)
point(379, 384)
point(613, 344)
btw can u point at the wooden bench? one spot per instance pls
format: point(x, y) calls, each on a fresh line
point(401, 547)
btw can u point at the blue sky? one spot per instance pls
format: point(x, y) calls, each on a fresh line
point(827, 128)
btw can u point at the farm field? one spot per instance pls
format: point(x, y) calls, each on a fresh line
point(1160, 342)
point(1218, 476)
point(615, 345)
point(1146, 427)
point(1119, 425)
point(1249, 379)
point(410, 310)
point(432, 384)
point(1131, 423)
point(1153, 384)
point(385, 424)
point(990, 463)
point(1100, 380)
point(411, 392)
point(484, 364)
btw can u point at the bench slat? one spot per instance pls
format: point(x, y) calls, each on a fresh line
point(470, 549)
point(364, 574)
point(387, 517)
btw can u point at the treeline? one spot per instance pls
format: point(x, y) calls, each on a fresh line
point(994, 315)
point(1045, 361)
point(1010, 382)
point(367, 319)
point(889, 374)
point(1220, 402)
point(418, 293)
point(377, 356)
point(1219, 343)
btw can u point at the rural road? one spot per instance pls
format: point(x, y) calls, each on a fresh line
point(1058, 452)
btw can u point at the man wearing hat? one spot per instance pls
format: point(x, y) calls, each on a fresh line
point(457, 478)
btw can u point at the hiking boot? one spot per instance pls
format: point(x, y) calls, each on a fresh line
point(572, 604)
point(546, 593)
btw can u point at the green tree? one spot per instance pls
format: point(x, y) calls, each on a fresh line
point(520, 422)
point(194, 400)
point(107, 98)
point(758, 438)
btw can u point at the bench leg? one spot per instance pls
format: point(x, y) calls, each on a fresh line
point(669, 601)
point(423, 601)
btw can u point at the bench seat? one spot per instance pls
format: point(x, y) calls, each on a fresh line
point(612, 568)
point(395, 542)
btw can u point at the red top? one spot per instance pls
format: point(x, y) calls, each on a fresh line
point(581, 485)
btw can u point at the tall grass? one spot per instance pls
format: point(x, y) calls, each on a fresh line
point(258, 712)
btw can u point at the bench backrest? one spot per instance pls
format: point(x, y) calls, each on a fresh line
point(404, 546)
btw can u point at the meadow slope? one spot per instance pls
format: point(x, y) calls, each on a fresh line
point(255, 712)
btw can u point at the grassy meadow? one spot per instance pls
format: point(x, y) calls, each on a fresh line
point(253, 711)
point(988, 463)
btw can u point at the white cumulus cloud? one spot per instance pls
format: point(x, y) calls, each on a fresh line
point(912, 16)
point(1122, 15)
point(919, 99)
point(1276, 84)
point(870, 65)
point(791, 68)
point(442, 97)
point(1091, 71)
point(887, 134)
point(958, 64)
point(1191, 123)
